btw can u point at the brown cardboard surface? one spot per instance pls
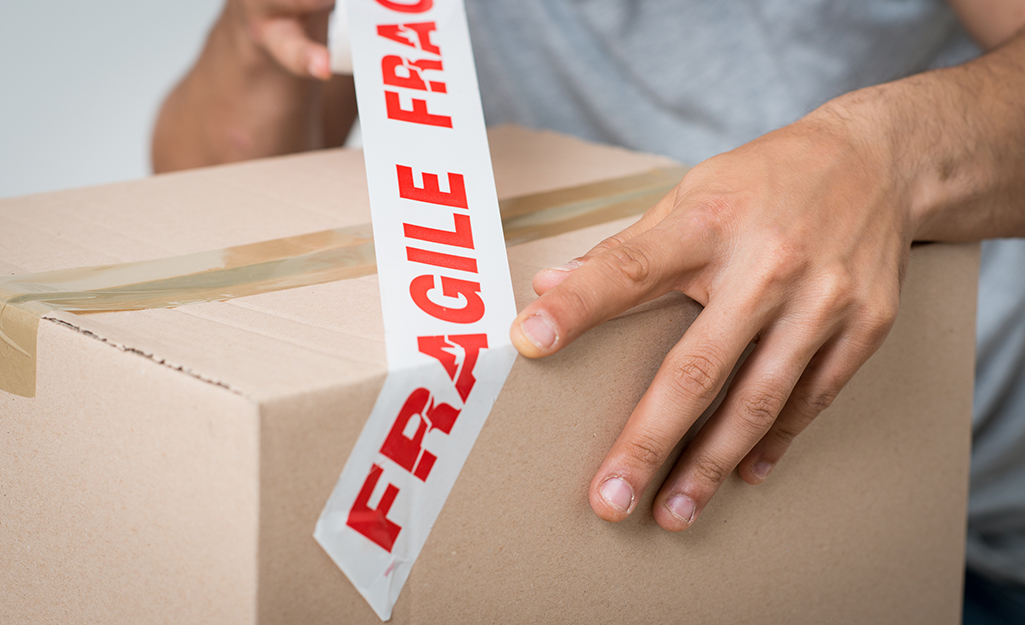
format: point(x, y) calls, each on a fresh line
point(277, 264)
point(174, 462)
point(127, 493)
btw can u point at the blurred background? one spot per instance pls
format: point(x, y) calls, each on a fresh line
point(80, 83)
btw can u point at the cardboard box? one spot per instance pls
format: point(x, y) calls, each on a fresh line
point(174, 462)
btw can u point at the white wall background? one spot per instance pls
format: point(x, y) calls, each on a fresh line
point(80, 83)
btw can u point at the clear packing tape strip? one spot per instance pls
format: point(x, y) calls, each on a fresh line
point(276, 265)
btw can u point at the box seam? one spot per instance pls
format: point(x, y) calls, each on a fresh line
point(153, 358)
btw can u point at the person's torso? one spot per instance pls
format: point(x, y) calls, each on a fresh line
point(693, 78)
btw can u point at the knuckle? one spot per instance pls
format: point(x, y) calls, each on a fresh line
point(759, 410)
point(695, 376)
point(879, 318)
point(871, 327)
point(631, 261)
point(781, 265)
point(784, 433)
point(786, 259)
point(645, 451)
point(608, 244)
point(835, 291)
point(708, 215)
point(712, 218)
point(710, 469)
point(818, 400)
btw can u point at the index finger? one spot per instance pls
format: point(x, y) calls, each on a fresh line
point(549, 278)
point(608, 284)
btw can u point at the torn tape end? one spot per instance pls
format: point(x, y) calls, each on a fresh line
point(18, 328)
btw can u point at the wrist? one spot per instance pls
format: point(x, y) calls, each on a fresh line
point(888, 125)
point(858, 131)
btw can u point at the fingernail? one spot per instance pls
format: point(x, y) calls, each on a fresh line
point(315, 67)
point(570, 266)
point(761, 469)
point(681, 507)
point(539, 330)
point(617, 493)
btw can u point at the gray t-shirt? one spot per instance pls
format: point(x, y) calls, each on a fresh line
point(692, 78)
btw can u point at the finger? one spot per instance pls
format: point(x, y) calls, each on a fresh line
point(287, 42)
point(607, 284)
point(651, 217)
point(551, 277)
point(546, 279)
point(827, 374)
point(688, 380)
point(757, 396)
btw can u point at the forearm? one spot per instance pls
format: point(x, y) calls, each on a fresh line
point(235, 104)
point(955, 139)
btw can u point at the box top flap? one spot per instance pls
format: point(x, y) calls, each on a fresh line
point(286, 342)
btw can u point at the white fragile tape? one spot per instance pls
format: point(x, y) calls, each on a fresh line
point(445, 289)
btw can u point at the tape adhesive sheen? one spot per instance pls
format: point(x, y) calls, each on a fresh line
point(277, 264)
point(446, 293)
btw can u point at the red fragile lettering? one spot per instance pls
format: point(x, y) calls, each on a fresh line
point(402, 7)
point(431, 193)
point(439, 259)
point(460, 236)
point(471, 311)
point(400, 72)
point(438, 347)
point(404, 33)
point(407, 451)
point(374, 523)
point(416, 115)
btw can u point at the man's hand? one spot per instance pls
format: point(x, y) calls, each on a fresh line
point(285, 29)
point(257, 89)
point(796, 241)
